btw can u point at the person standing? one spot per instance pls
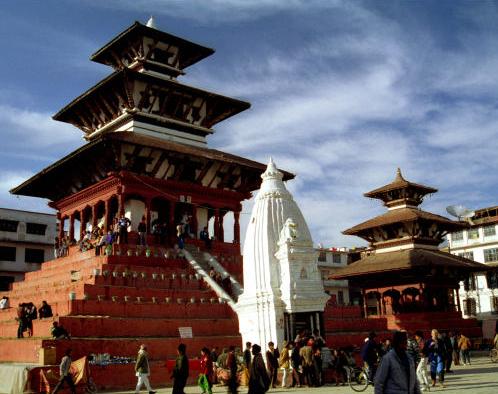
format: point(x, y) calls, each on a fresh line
point(436, 352)
point(142, 232)
point(259, 382)
point(396, 373)
point(464, 345)
point(297, 376)
point(123, 224)
point(180, 372)
point(205, 380)
point(370, 355)
point(306, 353)
point(423, 380)
point(232, 367)
point(284, 362)
point(142, 370)
point(21, 320)
point(65, 375)
point(272, 356)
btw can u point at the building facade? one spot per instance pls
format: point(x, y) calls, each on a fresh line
point(479, 292)
point(26, 241)
point(329, 262)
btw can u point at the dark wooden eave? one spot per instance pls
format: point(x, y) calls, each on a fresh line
point(190, 52)
point(401, 215)
point(399, 183)
point(405, 261)
point(105, 101)
point(92, 162)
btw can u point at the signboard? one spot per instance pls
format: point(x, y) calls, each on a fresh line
point(185, 332)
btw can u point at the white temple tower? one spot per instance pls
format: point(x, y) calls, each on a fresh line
point(283, 289)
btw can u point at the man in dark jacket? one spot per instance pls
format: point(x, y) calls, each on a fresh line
point(272, 356)
point(142, 370)
point(180, 372)
point(369, 354)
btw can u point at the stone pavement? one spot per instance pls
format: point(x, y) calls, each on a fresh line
point(479, 378)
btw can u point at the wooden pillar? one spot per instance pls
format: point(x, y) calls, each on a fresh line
point(83, 220)
point(121, 208)
point(221, 230)
point(147, 214)
point(379, 308)
point(94, 217)
point(171, 221)
point(217, 224)
point(71, 226)
point(365, 307)
point(193, 224)
point(459, 309)
point(236, 227)
point(107, 215)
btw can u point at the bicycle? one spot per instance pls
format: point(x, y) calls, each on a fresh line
point(493, 354)
point(357, 378)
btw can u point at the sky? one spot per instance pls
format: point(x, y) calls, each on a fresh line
point(342, 93)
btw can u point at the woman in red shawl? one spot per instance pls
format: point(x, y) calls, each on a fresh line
point(206, 376)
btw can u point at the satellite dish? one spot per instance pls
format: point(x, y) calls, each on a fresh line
point(460, 212)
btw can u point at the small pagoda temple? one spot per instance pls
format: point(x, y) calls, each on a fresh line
point(405, 278)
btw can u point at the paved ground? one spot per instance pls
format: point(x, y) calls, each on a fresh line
point(479, 378)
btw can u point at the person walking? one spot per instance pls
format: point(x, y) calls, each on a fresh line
point(370, 355)
point(65, 375)
point(396, 372)
point(180, 372)
point(232, 367)
point(142, 370)
point(272, 356)
point(464, 345)
point(205, 380)
point(436, 352)
point(259, 382)
point(422, 377)
point(284, 363)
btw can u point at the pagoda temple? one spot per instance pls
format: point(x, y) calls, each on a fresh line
point(146, 158)
point(405, 278)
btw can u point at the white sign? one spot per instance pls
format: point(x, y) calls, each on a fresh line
point(185, 332)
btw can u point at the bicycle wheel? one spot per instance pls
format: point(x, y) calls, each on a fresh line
point(359, 381)
point(493, 354)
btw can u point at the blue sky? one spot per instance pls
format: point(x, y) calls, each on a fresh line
point(342, 92)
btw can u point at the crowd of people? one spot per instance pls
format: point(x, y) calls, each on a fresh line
point(401, 365)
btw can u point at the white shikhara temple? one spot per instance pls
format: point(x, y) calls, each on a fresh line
point(283, 289)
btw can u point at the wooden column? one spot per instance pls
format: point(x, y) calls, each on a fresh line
point(62, 220)
point(94, 217)
point(107, 216)
point(236, 227)
point(71, 226)
point(171, 224)
point(148, 202)
point(194, 224)
point(221, 229)
point(217, 224)
point(365, 307)
point(121, 209)
point(459, 309)
point(379, 307)
point(83, 221)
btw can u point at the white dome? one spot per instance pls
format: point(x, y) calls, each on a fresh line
point(273, 206)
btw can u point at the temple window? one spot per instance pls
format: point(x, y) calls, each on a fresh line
point(489, 231)
point(336, 258)
point(36, 228)
point(8, 225)
point(494, 304)
point(322, 256)
point(470, 307)
point(492, 279)
point(490, 255)
point(469, 283)
point(7, 253)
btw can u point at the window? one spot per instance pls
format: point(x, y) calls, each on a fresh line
point(34, 255)
point(474, 233)
point(458, 236)
point(490, 255)
point(322, 256)
point(7, 253)
point(470, 307)
point(340, 297)
point(8, 225)
point(492, 279)
point(36, 228)
point(336, 258)
point(494, 304)
point(469, 283)
point(467, 255)
point(489, 231)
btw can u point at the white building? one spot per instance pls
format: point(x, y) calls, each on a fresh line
point(329, 262)
point(479, 293)
point(26, 240)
